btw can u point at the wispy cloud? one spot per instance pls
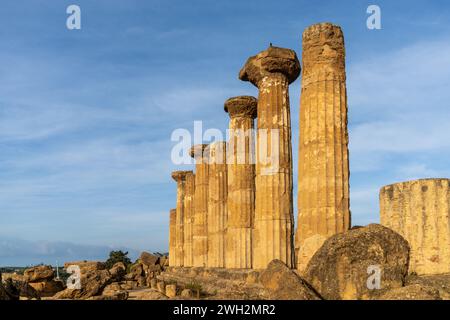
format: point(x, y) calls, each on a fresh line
point(399, 119)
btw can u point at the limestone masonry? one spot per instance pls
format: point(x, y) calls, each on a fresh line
point(272, 71)
point(200, 224)
point(241, 182)
point(217, 204)
point(180, 178)
point(172, 236)
point(420, 211)
point(323, 168)
point(189, 192)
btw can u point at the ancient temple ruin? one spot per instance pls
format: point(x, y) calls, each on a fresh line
point(236, 211)
point(419, 210)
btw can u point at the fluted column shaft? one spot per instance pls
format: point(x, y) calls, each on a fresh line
point(172, 237)
point(274, 210)
point(180, 178)
point(420, 211)
point(217, 204)
point(241, 181)
point(188, 218)
point(200, 226)
point(272, 71)
point(323, 166)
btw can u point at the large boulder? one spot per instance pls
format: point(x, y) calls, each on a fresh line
point(440, 282)
point(411, 292)
point(86, 266)
point(118, 271)
point(92, 283)
point(146, 294)
point(15, 290)
point(148, 259)
point(341, 268)
point(39, 274)
point(136, 272)
point(5, 292)
point(283, 283)
point(47, 288)
point(113, 291)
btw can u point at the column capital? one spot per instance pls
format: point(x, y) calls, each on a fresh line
point(270, 61)
point(241, 106)
point(179, 176)
point(323, 53)
point(198, 151)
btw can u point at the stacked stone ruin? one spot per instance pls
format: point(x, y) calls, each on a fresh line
point(236, 211)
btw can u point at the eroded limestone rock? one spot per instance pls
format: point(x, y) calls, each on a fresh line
point(284, 284)
point(411, 292)
point(420, 211)
point(339, 269)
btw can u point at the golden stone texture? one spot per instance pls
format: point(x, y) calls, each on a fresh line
point(420, 211)
point(323, 166)
point(200, 225)
point(272, 71)
point(188, 218)
point(217, 204)
point(180, 178)
point(172, 237)
point(241, 181)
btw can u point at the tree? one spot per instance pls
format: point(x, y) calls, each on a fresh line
point(117, 256)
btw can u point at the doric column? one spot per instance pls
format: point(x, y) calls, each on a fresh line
point(172, 237)
point(188, 218)
point(180, 178)
point(200, 226)
point(323, 168)
point(217, 204)
point(420, 211)
point(241, 181)
point(272, 71)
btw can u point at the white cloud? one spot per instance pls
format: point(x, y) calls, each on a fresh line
point(399, 120)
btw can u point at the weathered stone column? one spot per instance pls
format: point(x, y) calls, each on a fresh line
point(180, 178)
point(172, 237)
point(323, 168)
point(217, 204)
point(200, 226)
point(272, 71)
point(241, 181)
point(188, 218)
point(420, 211)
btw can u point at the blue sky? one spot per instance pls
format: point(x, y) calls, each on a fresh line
point(86, 115)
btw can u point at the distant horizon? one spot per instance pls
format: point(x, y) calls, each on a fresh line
point(86, 116)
